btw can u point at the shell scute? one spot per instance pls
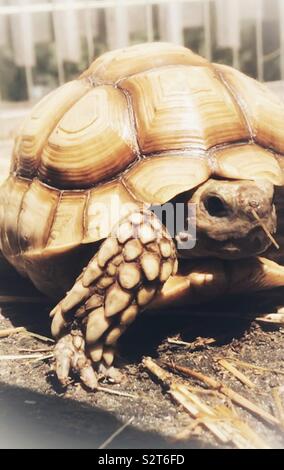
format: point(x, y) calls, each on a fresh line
point(264, 111)
point(116, 65)
point(183, 107)
point(40, 123)
point(68, 223)
point(157, 179)
point(39, 204)
point(92, 142)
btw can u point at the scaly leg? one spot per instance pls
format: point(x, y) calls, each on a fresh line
point(203, 280)
point(124, 276)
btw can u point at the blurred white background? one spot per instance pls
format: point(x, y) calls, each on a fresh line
point(44, 43)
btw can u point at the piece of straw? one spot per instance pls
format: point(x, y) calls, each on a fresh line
point(265, 229)
point(238, 374)
point(116, 433)
point(234, 396)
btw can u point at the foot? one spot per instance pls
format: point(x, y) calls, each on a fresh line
point(70, 355)
point(124, 276)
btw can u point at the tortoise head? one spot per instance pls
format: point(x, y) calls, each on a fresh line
point(233, 218)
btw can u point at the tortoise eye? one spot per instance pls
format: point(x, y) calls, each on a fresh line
point(215, 206)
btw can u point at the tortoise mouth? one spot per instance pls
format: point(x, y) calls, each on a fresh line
point(255, 243)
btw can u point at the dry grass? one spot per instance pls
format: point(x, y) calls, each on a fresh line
point(221, 421)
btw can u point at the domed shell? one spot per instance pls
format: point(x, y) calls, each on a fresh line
point(142, 124)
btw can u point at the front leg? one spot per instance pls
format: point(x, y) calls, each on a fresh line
point(125, 275)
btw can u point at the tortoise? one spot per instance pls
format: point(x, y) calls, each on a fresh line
point(152, 126)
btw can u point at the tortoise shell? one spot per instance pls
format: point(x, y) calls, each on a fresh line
point(142, 124)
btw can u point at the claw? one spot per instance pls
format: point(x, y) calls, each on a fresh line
point(111, 373)
point(63, 353)
point(108, 355)
point(84, 368)
point(89, 377)
point(70, 355)
point(58, 323)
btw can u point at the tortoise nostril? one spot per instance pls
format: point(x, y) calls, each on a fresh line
point(215, 206)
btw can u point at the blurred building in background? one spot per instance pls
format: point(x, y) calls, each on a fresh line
point(44, 43)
